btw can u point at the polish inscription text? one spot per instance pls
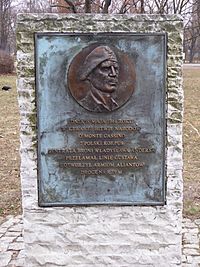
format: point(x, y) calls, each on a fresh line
point(102, 147)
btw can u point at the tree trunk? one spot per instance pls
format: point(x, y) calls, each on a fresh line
point(71, 5)
point(5, 24)
point(87, 6)
point(142, 7)
point(191, 55)
point(106, 6)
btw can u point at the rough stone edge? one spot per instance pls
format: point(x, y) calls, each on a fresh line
point(174, 114)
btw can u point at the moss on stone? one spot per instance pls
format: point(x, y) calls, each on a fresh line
point(176, 117)
point(176, 104)
point(25, 133)
point(33, 120)
point(34, 141)
point(28, 72)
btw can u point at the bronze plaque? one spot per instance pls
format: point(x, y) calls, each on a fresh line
point(100, 79)
point(101, 118)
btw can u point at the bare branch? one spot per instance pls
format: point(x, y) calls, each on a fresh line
point(122, 9)
point(182, 5)
point(67, 7)
point(157, 5)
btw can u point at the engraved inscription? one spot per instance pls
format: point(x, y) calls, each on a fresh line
point(103, 153)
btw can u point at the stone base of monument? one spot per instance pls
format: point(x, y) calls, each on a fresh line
point(101, 106)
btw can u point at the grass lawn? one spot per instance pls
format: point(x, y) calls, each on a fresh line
point(10, 194)
point(192, 143)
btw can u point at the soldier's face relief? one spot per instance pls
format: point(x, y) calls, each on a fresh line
point(105, 76)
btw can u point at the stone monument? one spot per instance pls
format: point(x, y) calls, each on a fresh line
point(101, 106)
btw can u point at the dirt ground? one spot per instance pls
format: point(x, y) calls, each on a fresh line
point(10, 194)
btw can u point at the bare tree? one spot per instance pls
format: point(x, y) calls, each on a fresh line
point(5, 23)
point(190, 9)
point(125, 6)
point(8, 14)
point(34, 6)
point(192, 33)
point(87, 6)
point(98, 6)
point(106, 5)
point(167, 6)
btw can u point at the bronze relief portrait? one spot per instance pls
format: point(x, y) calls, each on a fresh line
point(101, 78)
